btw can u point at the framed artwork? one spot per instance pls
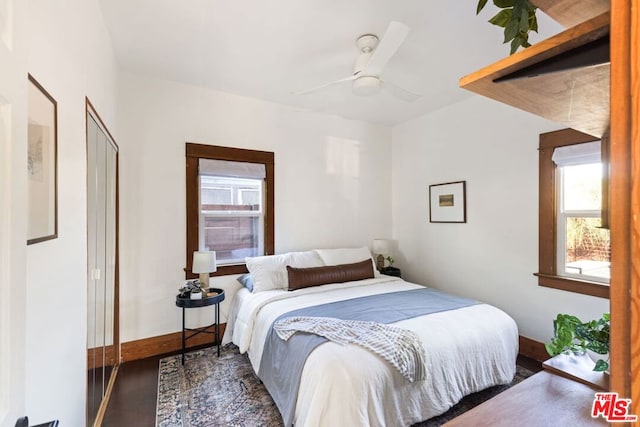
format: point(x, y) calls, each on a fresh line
point(447, 202)
point(42, 168)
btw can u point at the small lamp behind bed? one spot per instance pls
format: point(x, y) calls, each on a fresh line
point(381, 247)
point(204, 263)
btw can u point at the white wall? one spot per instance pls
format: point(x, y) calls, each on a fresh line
point(13, 151)
point(69, 53)
point(494, 255)
point(332, 186)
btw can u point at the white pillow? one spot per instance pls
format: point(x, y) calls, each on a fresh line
point(266, 272)
point(270, 272)
point(304, 259)
point(347, 256)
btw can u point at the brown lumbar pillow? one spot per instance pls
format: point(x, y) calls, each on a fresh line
point(314, 276)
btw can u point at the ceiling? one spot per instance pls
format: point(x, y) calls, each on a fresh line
point(269, 49)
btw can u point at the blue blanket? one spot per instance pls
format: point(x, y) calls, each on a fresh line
point(282, 361)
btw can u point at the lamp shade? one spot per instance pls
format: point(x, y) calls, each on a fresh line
point(204, 262)
point(381, 246)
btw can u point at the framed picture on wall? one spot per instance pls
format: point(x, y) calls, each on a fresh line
point(447, 202)
point(42, 168)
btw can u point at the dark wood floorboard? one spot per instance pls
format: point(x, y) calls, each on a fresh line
point(529, 363)
point(133, 399)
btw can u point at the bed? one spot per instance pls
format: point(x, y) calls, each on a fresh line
point(466, 349)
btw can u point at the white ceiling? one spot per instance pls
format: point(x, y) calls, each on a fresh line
point(269, 49)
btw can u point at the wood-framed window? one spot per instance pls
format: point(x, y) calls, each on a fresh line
point(230, 205)
point(574, 248)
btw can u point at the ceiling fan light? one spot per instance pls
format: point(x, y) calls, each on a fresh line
point(366, 86)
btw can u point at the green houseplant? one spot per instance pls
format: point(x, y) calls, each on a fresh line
point(517, 17)
point(571, 335)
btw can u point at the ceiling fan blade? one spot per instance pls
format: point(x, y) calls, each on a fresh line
point(314, 89)
point(391, 41)
point(401, 93)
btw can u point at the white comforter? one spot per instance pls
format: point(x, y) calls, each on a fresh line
point(467, 350)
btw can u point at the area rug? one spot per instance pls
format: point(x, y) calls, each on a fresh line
point(211, 391)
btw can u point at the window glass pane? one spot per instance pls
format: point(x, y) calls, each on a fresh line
point(250, 196)
point(233, 238)
point(588, 250)
point(582, 187)
point(231, 216)
point(215, 195)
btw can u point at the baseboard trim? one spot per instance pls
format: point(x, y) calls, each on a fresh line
point(169, 343)
point(162, 344)
point(96, 357)
point(533, 349)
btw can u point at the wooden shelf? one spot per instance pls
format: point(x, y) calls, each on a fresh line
point(541, 400)
point(559, 82)
point(572, 12)
point(578, 368)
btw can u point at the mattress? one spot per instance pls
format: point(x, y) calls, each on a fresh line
point(467, 350)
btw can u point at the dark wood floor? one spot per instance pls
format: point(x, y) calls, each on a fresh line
point(133, 399)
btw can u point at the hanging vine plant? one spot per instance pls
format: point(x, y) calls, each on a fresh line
point(517, 17)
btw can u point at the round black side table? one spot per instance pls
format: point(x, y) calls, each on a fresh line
point(205, 301)
point(391, 271)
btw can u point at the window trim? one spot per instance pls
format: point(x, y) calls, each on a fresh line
point(548, 209)
point(195, 152)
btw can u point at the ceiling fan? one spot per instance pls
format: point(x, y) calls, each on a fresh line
point(375, 54)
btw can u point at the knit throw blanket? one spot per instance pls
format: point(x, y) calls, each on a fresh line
point(400, 347)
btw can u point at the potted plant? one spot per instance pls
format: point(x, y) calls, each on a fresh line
point(390, 270)
point(191, 289)
point(571, 335)
point(517, 17)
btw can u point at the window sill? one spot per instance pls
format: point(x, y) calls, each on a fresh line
point(572, 285)
point(221, 271)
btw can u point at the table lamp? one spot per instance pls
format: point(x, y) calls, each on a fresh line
point(204, 262)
